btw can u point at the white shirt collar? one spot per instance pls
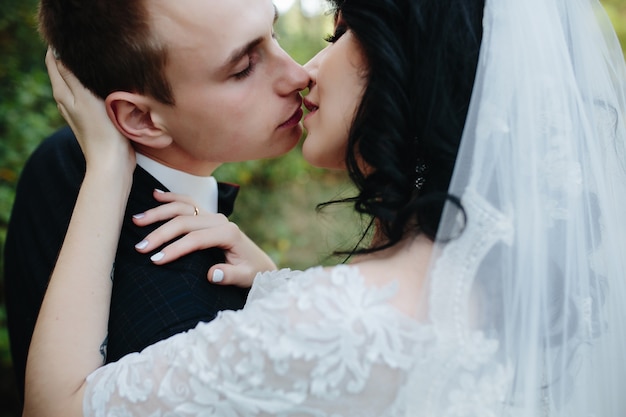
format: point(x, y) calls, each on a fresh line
point(203, 190)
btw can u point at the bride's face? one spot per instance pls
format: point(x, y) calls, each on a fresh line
point(338, 74)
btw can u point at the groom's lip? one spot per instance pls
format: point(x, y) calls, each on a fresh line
point(294, 119)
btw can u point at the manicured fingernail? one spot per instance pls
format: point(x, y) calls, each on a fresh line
point(218, 275)
point(139, 216)
point(159, 191)
point(157, 256)
point(142, 245)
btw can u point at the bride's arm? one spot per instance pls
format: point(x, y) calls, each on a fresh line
point(72, 322)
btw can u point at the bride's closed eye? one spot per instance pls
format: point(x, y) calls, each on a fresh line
point(339, 31)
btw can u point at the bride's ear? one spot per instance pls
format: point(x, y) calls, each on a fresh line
point(133, 116)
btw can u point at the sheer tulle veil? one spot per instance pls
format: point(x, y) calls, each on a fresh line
point(527, 287)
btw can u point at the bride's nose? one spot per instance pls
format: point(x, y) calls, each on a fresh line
point(312, 67)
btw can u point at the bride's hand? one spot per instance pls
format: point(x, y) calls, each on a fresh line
point(201, 230)
point(101, 143)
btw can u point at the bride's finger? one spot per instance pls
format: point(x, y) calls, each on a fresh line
point(60, 90)
point(74, 100)
point(165, 212)
point(168, 197)
point(185, 225)
point(222, 236)
point(53, 70)
point(191, 242)
point(69, 79)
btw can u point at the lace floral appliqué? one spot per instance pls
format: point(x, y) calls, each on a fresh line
point(313, 343)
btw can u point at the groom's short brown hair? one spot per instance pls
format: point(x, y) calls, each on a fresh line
point(108, 44)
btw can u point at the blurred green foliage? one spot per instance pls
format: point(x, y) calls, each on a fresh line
point(27, 114)
point(276, 206)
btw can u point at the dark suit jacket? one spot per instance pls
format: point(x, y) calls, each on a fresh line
point(148, 303)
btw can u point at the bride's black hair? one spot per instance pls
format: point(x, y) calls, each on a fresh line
point(422, 57)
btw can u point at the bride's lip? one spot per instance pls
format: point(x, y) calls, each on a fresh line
point(309, 106)
point(294, 119)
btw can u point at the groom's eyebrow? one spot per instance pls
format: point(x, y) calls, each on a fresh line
point(239, 53)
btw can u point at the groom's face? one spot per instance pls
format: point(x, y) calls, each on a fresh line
point(236, 91)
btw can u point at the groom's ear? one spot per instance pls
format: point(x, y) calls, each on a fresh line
point(132, 114)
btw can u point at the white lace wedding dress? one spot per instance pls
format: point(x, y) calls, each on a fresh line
point(312, 343)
